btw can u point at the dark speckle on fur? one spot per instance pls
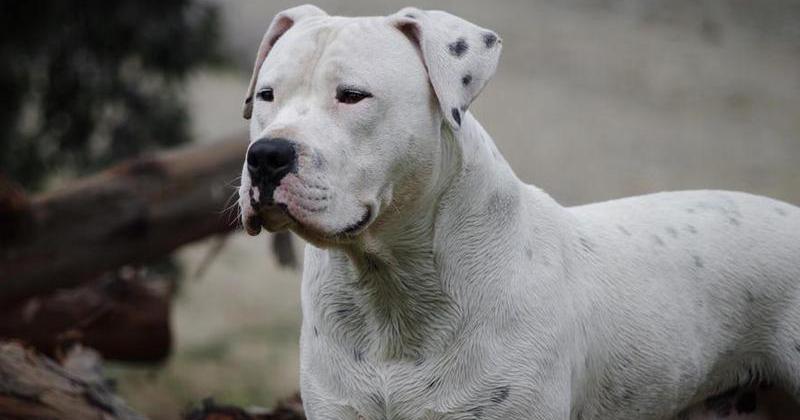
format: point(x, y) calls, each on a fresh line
point(781, 211)
point(316, 332)
point(489, 39)
point(691, 229)
point(586, 245)
point(358, 355)
point(476, 412)
point(690, 210)
point(466, 80)
point(698, 262)
point(456, 116)
point(797, 347)
point(749, 296)
point(411, 16)
point(528, 252)
point(658, 241)
point(672, 231)
point(622, 229)
point(459, 47)
point(378, 400)
point(500, 394)
point(734, 221)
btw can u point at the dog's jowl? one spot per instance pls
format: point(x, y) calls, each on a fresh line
point(437, 285)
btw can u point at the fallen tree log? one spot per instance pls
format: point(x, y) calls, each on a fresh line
point(289, 409)
point(35, 387)
point(124, 315)
point(135, 212)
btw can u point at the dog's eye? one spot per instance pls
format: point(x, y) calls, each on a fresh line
point(350, 95)
point(266, 95)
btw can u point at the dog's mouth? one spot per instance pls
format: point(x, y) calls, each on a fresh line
point(270, 217)
point(278, 216)
point(359, 226)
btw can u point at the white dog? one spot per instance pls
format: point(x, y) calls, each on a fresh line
point(439, 286)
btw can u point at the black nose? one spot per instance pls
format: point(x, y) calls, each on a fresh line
point(269, 160)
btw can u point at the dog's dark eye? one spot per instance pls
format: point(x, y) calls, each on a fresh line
point(266, 95)
point(350, 95)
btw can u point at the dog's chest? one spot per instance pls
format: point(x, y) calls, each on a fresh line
point(413, 390)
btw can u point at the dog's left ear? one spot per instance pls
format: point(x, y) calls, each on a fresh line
point(460, 56)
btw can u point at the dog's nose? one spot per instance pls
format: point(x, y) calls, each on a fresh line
point(269, 160)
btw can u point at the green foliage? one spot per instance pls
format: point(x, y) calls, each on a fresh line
point(86, 83)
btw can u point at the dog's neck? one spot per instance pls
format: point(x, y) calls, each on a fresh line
point(412, 298)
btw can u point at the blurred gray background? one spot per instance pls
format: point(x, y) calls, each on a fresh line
point(592, 100)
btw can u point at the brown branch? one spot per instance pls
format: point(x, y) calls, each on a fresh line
point(124, 316)
point(132, 213)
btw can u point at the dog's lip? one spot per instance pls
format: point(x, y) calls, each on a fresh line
point(271, 217)
point(360, 225)
point(347, 232)
point(253, 223)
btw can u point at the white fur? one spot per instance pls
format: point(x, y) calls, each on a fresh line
point(471, 295)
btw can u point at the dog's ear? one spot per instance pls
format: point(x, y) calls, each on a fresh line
point(460, 56)
point(280, 24)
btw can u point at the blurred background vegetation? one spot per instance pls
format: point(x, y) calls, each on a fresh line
point(593, 99)
point(86, 84)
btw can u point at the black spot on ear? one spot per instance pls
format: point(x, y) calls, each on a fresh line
point(466, 80)
point(457, 116)
point(489, 39)
point(459, 47)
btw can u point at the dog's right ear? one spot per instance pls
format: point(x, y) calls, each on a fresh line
point(281, 23)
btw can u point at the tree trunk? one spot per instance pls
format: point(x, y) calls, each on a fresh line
point(132, 213)
point(124, 315)
point(34, 387)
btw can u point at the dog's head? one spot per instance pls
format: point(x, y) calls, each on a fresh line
point(346, 115)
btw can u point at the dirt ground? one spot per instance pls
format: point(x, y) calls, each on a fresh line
point(592, 100)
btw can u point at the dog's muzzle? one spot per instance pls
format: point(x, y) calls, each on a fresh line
point(269, 160)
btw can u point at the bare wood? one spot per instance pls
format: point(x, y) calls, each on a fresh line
point(132, 213)
point(35, 387)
